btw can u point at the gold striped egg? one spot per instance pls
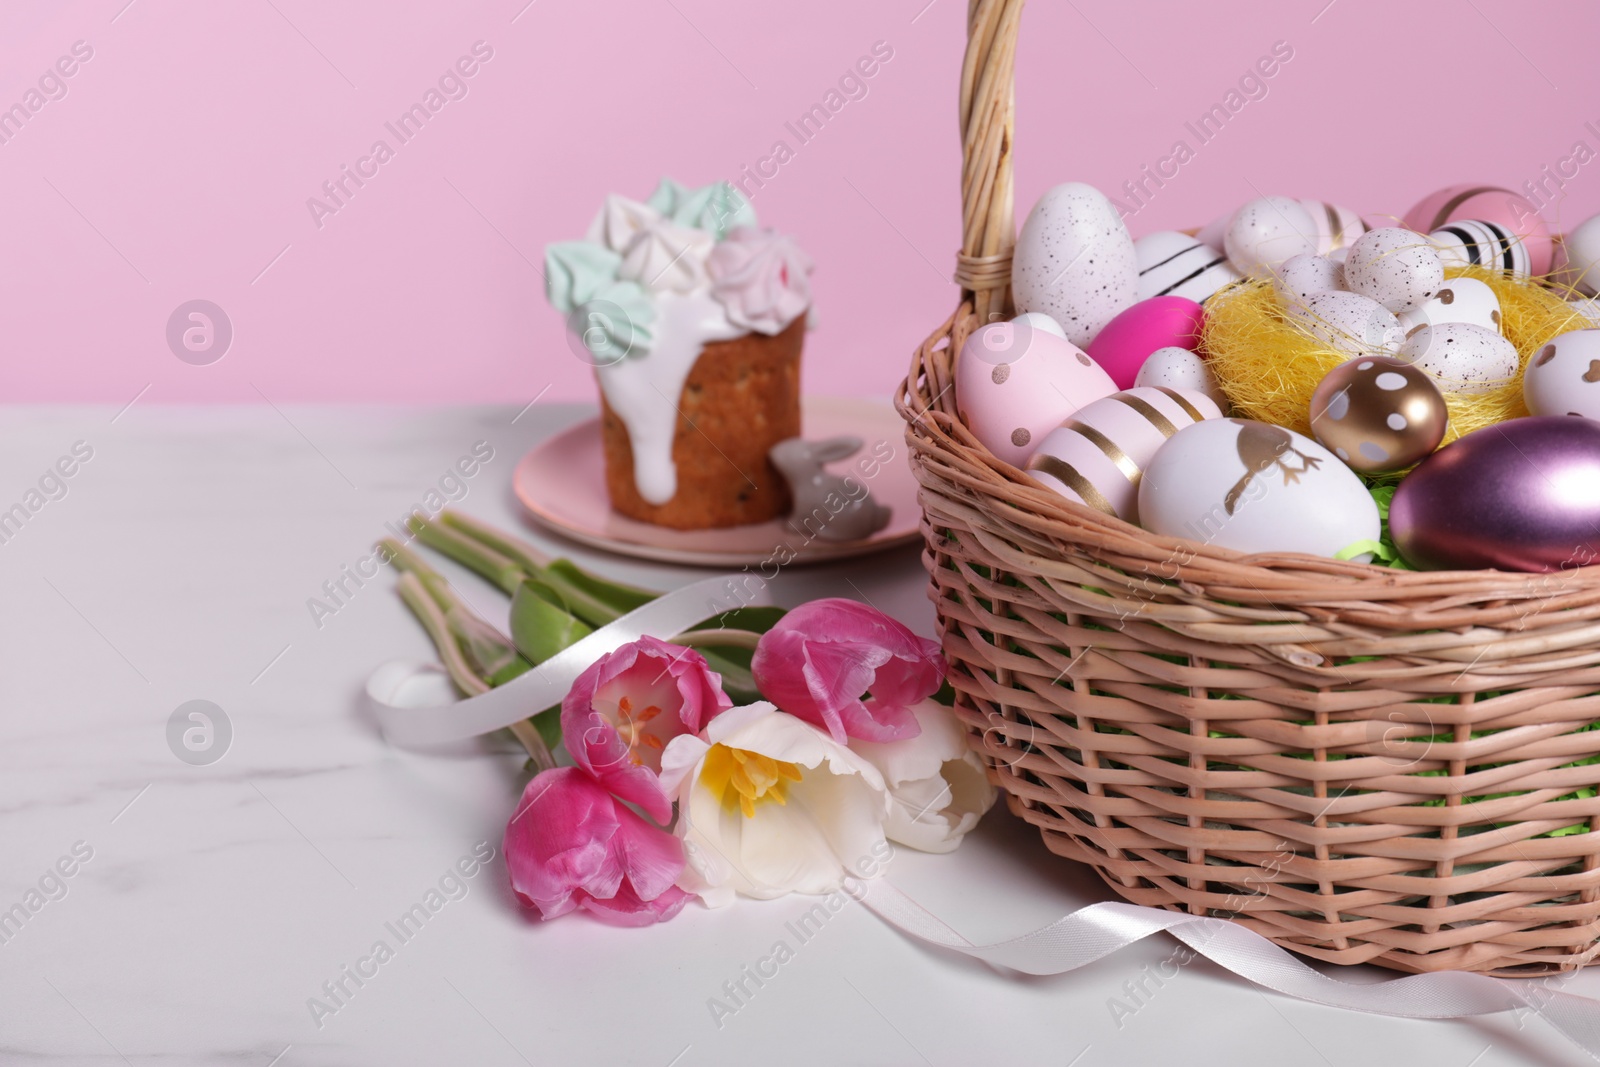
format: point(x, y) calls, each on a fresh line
point(1337, 227)
point(1097, 455)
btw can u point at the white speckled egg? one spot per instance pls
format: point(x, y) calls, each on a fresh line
point(1301, 276)
point(1577, 261)
point(1074, 261)
point(1463, 358)
point(1475, 243)
point(1096, 457)
point(1337, 227)
point(1040, 321)
point(1014, 384)
point(1563, 377)
point(1458, 300)
point(1397, 268)
point(1255, 487)
point(1175, 264)
point(1350, 323)
point(1268, 231)
point(1179, 368)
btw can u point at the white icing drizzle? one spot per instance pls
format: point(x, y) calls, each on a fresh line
point(643, 390)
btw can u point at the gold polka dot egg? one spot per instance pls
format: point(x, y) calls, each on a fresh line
point(1378, 414)
point(1098, 455)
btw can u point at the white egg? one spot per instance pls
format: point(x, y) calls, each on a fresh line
point(1477, 243)
point(1014, 384)
point(1074, 261)
point(1040, 321)
point(1337, 227)
point(1214, 232)
point(1588, 307)
point(1563, 377)
point(1458, 300)
point(1255, 487)
point(1268, 231)
point(1096, 456)
point(1463, 358)
point(1350, 323)
point(1175, 264)
point(1302, 275)
point(1179, 368)
point(1397, 268)
point(1578, 258)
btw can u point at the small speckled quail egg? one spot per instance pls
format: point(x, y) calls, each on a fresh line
point(1179, 368)
point(1463, 358)
point(1350, 323)
point(1397, 268)
point(1303, 275)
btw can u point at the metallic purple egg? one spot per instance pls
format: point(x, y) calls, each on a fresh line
point(1523, 495)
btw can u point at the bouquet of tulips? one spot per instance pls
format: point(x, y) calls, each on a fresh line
point(762, 753)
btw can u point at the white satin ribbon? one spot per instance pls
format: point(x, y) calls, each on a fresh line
point(1098, 930)
point(411, 703)
point(406, 697)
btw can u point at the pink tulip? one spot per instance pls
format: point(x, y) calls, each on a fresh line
point(572, 845)
point(822, 658)
point(628, 705)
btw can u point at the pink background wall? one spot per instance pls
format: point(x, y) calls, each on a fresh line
point(179, 161)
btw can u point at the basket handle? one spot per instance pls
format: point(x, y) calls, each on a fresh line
point(988, 114)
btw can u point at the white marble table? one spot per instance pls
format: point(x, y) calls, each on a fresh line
point(216, 900)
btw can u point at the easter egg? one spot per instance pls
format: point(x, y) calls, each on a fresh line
point(1074, 261)
point(1038, 320)
point(1213, 233)
point(1462, 358)
point(1397, 268)
point(1521, 495)
point(1160, 322)
point(1378, 414)
point(1267, 231)
point(1015, 383)
point(1577, 258)
point(1458, 300)
point(1303, 275)
point(1255, 487)
point(1563, 377)
point(1588, 307)
point(1481, 244)
point(1175, 264)
point(1096, 457)
point(1511, 212)
point(1350, 323)
point(1337, 227)
point(1179, 368)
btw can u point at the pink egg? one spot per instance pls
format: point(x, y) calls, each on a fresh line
point(1160, 322)
point(1014, 384)
point(1488, 203)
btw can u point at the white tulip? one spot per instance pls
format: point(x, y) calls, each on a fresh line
point(937, 785)
point(768, 805)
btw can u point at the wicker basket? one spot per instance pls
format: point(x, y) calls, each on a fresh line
point(1363, 764)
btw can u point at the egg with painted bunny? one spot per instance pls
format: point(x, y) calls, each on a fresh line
point(1255, 487)
point(1014, 384)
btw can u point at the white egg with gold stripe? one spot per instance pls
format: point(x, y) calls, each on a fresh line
point(1097, 456)
point(1337, 227)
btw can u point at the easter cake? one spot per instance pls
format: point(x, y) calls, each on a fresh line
point(693, 319)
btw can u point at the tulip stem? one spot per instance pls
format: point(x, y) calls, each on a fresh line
point(517, 551)
point(718, 639)
point(473, 554)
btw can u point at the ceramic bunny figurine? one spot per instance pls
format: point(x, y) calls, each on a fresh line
point(828, 506)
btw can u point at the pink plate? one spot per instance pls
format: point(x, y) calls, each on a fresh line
point(562, 484)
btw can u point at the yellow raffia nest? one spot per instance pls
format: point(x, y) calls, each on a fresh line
point(1269, 364)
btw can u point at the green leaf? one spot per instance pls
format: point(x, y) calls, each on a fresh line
point(541, 625)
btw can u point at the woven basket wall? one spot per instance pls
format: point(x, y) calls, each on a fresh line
point(1363, 764)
